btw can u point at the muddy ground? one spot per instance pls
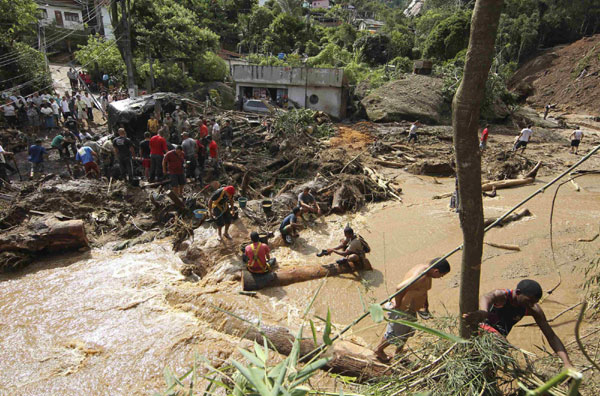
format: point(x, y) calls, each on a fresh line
point(107, 321)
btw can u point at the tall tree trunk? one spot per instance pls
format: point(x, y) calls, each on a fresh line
point(466, 107)
point(120, 22)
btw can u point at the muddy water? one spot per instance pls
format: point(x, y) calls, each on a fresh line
point(402, 235)
point(93, 323)
point(99, 323)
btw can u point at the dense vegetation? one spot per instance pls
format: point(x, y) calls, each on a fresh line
point(184, 36)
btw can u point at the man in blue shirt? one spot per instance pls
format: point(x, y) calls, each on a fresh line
point(86, 156)
point(289, 226)
point(36, 157)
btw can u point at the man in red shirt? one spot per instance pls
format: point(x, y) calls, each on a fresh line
point(158, 148)
point(484, 138)
point(203, 129)
point(173, 165)
point(258, 255)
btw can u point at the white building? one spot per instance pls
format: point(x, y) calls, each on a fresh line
point(319, 4)
point(318, 89)
point(64, 13)
point(370, 25)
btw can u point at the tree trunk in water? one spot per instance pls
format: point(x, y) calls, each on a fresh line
point(466, 107)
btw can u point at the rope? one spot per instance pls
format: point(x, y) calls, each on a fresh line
point(456, 249)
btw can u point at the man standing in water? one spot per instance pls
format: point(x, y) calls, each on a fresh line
point(576, 138)
point(408, 303)
point(501, 309)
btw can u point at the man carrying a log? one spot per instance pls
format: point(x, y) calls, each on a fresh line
point(352, 248)
point(407, 304)
point(221, 204)
point(289, 226)
point(523, 139)
point(501, 309)
point(307, 202)
point(257, 255)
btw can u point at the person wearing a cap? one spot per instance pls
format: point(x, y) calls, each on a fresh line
point(221, 204)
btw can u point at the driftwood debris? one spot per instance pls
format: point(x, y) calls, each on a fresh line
point(337, 205)
point(528, 179)
point(288, 185)
point(389, 164)
point(504, 246)
point(513, 217)
point(382, 183)
point(47, 233)
point(293, 274)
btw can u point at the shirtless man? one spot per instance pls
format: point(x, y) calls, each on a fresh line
point(408, 303)
point(501, 309)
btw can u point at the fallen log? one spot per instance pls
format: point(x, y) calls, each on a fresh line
point(293, 274)
point(513, 217)
point(45, 234)
point(528, 179)
point(347, 358)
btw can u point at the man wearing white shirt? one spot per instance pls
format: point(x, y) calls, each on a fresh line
point(576, 138)
point(64, 107)
point(88, 103)
point(523, 139)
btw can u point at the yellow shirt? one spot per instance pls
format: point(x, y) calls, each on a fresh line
point(153, 125)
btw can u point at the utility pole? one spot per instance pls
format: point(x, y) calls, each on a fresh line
point(151, 61)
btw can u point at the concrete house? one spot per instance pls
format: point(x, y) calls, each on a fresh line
point(318, 89)
point(319, 4)
point(64, 13)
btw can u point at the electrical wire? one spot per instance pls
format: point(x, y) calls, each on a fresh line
point(55, 38)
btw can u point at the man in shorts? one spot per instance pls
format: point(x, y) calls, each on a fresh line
point(576, 138)
point(352, 250)
point(86, 156)
point(407, 304)
point(173, 165)
point(220, 205)
point(523, 139)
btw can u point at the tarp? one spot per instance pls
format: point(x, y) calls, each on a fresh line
point(133, 114)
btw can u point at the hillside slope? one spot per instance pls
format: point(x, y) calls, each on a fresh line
point(568, 76)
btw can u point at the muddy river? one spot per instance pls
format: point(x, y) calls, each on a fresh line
point(99, 322)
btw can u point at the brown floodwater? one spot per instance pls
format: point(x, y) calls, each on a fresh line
point(99, 322)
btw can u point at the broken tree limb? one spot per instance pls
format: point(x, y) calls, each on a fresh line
point(446, 195)
point(513, 217)
point(528, 179)
point(389, 164)
point(503, 246)
point(381, 182)
point(285, 167)
point(293, 274)
point(352, 160)
point(265, 190)
point(288, 184)
point(45, 234)
point(156, 184)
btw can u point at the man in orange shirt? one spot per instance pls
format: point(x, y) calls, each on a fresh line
point(257, 255)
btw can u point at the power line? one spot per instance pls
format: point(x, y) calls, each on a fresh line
point(12, 58)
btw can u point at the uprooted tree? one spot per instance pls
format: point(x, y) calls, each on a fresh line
point(466, 107)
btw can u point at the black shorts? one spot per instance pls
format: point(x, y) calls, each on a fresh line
point(222, 218)
point(575, 143)
point(177, 180)
point(412, 136)
point(520, 143)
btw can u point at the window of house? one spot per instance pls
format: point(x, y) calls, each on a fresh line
point(43, 13)
point(71, 16)
point(314, 99)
